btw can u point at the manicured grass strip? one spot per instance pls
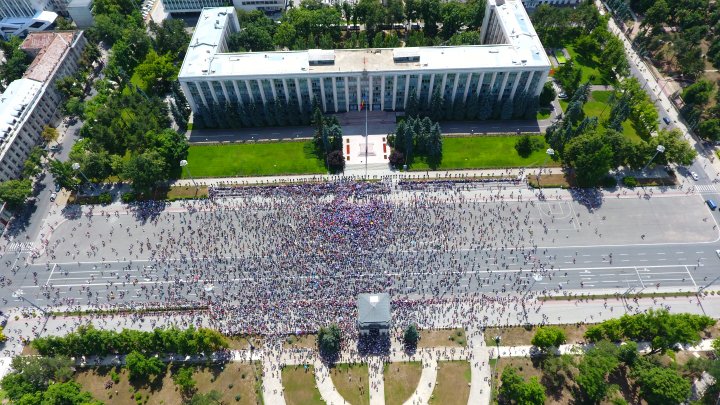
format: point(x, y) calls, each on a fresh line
point(300, 388)
point(401, 380)
point(560, 56)
point(442, 337)
point(485, 152)
point(351, 381)
point(453, 383)
point(253, 159)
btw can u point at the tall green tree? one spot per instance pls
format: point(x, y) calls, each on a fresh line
point(515, 389)
point(590, 157)
point(145, 170)
point(15, 192)
point(158, 73)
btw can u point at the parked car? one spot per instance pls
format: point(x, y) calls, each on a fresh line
point(53, 196)
point(666, 120)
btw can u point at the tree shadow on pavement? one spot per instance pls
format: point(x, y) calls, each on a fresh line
point(590, 198)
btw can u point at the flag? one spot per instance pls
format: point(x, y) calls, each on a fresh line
point(362, 105)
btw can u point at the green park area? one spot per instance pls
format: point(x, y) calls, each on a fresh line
point(299, 384)
point(560, 56)
point(351, 381)
point(452, 386)
point(485, 152)
point(590, 67)
point(252, 159)
point(598, 105)
point(401, 380)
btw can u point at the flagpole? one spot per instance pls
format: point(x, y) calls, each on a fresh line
point(366, 141)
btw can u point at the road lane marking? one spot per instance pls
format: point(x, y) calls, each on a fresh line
point(639, 278)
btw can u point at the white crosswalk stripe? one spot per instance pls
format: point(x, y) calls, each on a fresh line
point(19, 246)
point(706, 188)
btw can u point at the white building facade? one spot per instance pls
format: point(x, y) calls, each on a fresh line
point(30, 103)
point(188, 6)
point(511, 61)
point(536, 3)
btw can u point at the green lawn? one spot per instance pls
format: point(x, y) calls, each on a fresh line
point(590, 68)
point(543, 114)
point(560, 56)
point(484, 152)
point(401, 379)
point(598, 106)
point(252, 159)
point(300, 388)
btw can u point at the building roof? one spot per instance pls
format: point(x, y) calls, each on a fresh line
point(51, 48)
point(15, 103)
point(207, 57)
point(373, 308)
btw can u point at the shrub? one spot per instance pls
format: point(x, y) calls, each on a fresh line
point(105, 198)
point(630, 181)
point(128, 197)
point(608, 182)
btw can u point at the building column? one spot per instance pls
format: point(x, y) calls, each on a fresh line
point(430, 88)
point(188, 95)
point(370, 92)
point(394, 92)
point(419, 86)
point(287, 95)
point(298, 93)
point(334, 85)
point(237, 93)
point(202, 96)
point(480, 84)
point(407, 90)
point(467, 86)
point(274, 90)
point(358, 90)
point(322, 93)
point(249, 90)
point(311, 95)
point(212, 91)
point(442, 86)
point(347, 94)
point(225, 93)
point(515, 84)
point(262, 91)
point(382, 93)
point(541, 83)
point(455, 86)
point(492, 82)
point(502, 86)
point(529, 80)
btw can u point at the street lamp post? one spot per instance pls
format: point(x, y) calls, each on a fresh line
point(184, 163)
point(659, 149)
point(549, 152)
point(76, 167)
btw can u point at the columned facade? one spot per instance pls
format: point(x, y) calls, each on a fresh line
point(383, 92)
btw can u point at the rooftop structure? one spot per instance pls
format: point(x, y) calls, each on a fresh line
point(514, 44)
point(49, 49)
point(511, 60)
point(373, 313)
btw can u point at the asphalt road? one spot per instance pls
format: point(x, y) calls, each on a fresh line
point(666, 242)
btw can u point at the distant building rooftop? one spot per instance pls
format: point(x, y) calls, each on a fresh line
point(50, 48)
point(207, 54)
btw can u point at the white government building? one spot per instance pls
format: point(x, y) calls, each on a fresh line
point(511, 61)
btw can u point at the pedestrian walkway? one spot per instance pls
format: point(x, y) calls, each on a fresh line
point(272, 382)
point(706, 188)
point(325, 385)
point(427, 382)
point(377, 380)
point(480, 371)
